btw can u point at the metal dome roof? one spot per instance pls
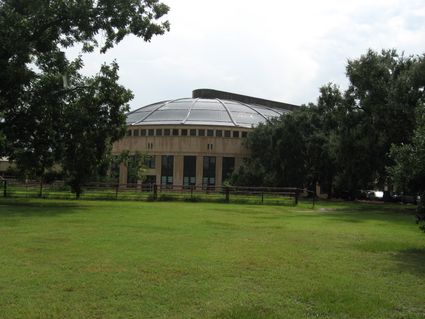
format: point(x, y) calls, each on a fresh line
point(191, 111)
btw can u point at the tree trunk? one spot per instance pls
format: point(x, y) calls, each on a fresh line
point(40, 192)
point(421, 203)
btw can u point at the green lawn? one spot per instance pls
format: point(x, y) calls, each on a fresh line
point(100, 259)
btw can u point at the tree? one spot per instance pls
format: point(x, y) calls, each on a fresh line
point(381, 102)
point(278, 153)
point(296, 150)
point(34, 128)
point(49, 113)
point(408, 171)
point(35, 34)
point(40, 29)
point(94, 119)
point(324, 141)
point(136, 165)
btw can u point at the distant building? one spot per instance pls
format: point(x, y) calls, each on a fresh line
point(195, 141)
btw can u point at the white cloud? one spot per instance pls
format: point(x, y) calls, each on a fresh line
point(282, 50)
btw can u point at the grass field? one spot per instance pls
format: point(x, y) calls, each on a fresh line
point(100, 259)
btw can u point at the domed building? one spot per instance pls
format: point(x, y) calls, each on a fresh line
point(194, 141)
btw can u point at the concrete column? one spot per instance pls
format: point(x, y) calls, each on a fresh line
point(199, 170)
point(178, 170)
point(218, 170)
point(158, 168)
point(123, 174)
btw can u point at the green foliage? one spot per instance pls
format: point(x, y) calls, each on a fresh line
point(408, 171)
point(380, 104)
point(37, 31)
point(95, 118)
point(49, 113)
point(344, 141)
point(297, 149)
point(35, 126)
point(136, 165)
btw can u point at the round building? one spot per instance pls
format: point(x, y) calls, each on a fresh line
point(194, 141)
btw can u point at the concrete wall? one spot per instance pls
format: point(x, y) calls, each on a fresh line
point(179, 146)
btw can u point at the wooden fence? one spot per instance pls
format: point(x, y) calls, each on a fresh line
point(154, 192)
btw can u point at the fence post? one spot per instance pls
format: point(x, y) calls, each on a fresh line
point(314, 199)
point(227, 194)
point(191, 192)
point(40, 193)
point(155, 191)
point(262, 197)
point(117, 188)
point(296, 197)
point(4, 188)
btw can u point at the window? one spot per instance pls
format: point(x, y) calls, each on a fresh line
point(167, 132)
point(184, 132)
point(150, 161)
point(167, 163)
point(192, 132)
point(151, 132)
point(129, 133)
point(235, 133)
point(136, 133)
point(208, 177)
point(158, 132)
point(219, 133)
point(175, 132)
point(189, 170)
point(226, 133)
point(244, 134)
point(201, 132)
point(210, 132)
point(150, 146)
point(142, 132)
point(227, 168)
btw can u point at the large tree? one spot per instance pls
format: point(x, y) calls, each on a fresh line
point(381, 101)
point(408, 171)
point(344, 141)
point(298, 149)
point(49, 113)
point(279, 152)
point(36, 30)
point(97, 109)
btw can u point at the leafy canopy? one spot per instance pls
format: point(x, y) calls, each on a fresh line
point(49, 113)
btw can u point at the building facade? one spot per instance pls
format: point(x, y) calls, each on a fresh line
point(194, 141)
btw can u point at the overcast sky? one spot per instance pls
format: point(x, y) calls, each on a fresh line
point(275, 49)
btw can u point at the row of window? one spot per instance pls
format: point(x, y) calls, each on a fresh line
point(186, 132)
point(189, 170)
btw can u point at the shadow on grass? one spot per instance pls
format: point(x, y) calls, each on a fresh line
point(412, 260)
point(31, 208)
point(363, 213)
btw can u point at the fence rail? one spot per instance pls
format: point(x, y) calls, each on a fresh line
point(152, 192)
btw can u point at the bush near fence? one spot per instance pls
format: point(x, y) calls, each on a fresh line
point(153, 192)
